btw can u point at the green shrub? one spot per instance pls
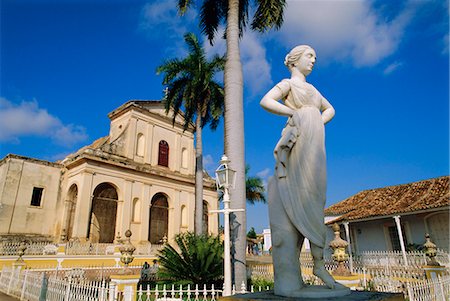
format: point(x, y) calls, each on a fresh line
point(262, 282)
point(195, 259)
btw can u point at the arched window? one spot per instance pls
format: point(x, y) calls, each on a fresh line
point(136, 210)
point(205, 217)
point(140, 145)
point(159, 219)
point(184, 158)
point(163, 153)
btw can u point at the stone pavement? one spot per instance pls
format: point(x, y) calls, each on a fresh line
point(4, 297)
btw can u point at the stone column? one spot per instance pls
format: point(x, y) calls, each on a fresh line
point(126, 285)
point(119, 218)
point(149, 144)
point(130, 144)
point(83, 207)
point(400, 236)
point(145, 214)
point(66, 217)
point(349, 247)
point(127, 205)
point(177, 152)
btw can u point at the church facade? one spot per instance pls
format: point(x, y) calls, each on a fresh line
point(139, 177)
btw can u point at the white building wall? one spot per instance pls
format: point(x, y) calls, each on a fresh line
point(368, 236)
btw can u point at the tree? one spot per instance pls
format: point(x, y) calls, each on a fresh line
point(190, 84)
point(198, 261)
point(254, 188)
point(251, 233)
point(268, 14)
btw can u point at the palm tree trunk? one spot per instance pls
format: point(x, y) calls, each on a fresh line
point(234, 139)
point(198, 214)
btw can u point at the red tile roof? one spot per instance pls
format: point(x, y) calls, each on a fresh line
point(417, 196)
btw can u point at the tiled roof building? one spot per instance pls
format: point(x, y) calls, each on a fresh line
point(376, 219)
point(406, 198)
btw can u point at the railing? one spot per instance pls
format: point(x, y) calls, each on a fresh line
point(8, 248)
point(87, 248)
point(395, 258)
point(431, 290)
point(34, 286)
point(12, 248)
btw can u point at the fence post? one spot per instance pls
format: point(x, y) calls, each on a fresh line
point(243, 288)
point(43, 293)
point(22, 294)
point(11, 276)
point(67, 294)
point(441, 288)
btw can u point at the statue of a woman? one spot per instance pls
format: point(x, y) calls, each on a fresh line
point(297, 192)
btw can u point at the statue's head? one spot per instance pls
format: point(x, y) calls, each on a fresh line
point(301, 57)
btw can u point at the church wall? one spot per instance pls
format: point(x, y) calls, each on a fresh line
point(19, 216)
point(137, 186)
point(153, 129)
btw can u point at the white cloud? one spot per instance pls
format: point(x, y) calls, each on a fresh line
point(28, 119)
point(210, 165)
point(392, 67)
point(264, 173)
point(344, 30)
point(445, 43)
point(161, 19)
point(208, 161)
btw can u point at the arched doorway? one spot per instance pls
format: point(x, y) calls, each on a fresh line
point(102, 224)
point(159, 219)
point(71, 205)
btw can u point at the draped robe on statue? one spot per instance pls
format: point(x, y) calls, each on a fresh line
point(300, 174)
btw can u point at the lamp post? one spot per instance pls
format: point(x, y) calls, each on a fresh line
point(225, 178)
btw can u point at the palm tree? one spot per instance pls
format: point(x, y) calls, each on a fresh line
point(190, 84)
point(268, 14)
point(254, 188)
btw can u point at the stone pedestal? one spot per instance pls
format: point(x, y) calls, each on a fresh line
point(433, 272)
point(354, 296)
point(351, 281)
point(126, 285)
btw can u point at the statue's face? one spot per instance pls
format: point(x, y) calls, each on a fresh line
point(306, 62)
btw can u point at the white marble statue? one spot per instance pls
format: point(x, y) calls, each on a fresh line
point(297, 190)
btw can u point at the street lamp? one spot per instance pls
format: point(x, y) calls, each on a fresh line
point(225, 178)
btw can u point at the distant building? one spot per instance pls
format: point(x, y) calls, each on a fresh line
point(376, 218)
point(139, 177)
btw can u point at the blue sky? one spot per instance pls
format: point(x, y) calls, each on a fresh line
point(64, 65)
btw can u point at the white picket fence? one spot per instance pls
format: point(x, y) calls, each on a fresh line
point(34, 286)
point(430, 290)
point(194, 293)
point(395, 259)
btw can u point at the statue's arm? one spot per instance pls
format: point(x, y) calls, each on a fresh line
point(270, 101)
point(327, 110)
